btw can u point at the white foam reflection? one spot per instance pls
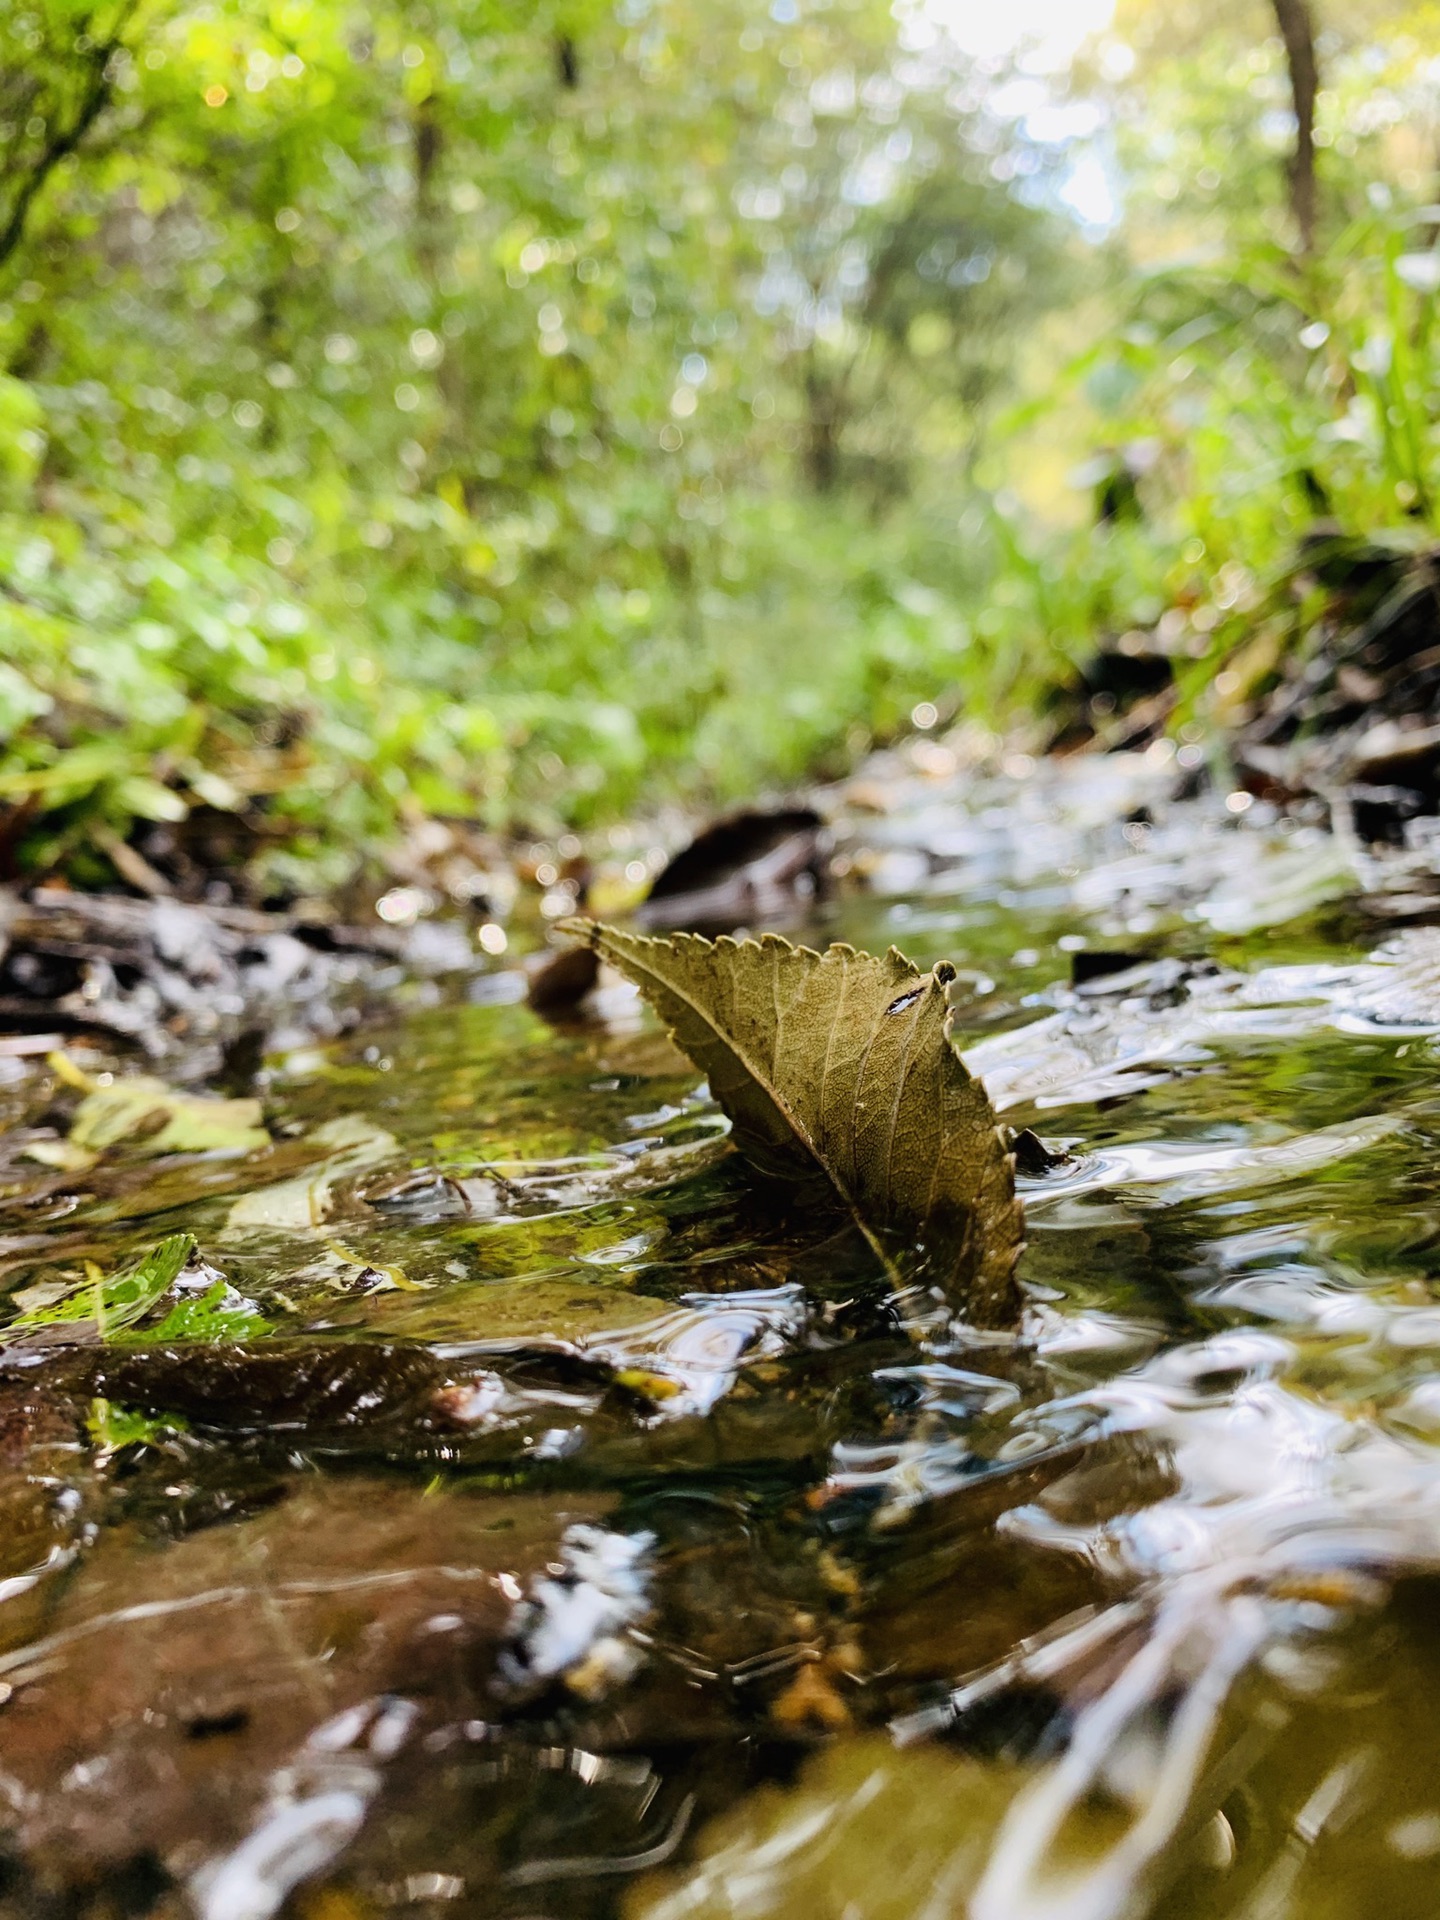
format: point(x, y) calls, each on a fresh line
point(1135, 1030)
point(1285, 1514)
point(689, 1360)
point(316, 1806)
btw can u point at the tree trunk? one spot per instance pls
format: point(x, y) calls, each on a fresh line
point(1297, 29)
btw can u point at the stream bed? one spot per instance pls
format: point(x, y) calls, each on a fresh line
point(503, 1511)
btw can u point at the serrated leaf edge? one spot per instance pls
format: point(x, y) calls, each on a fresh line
point(592, 933)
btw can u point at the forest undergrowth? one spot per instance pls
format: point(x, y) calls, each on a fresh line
point(536, 417)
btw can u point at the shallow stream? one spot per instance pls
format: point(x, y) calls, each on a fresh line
point(505, 1513)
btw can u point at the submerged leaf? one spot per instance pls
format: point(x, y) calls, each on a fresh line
point(840, 1080)
point(112, 1427)
point(220, 1313)
point(865, 1831)
point(548, 1308)
point(119, 1300)
point(302, 1204)
point(147, 1114)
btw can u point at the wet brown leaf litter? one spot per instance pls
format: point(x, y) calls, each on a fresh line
point(756, 868)
point(440, 1474)
point(837, 1073)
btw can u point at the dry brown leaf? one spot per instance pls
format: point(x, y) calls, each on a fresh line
point(841, 1082)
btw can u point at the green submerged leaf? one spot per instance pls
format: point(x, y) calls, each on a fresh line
point(117, 1301)
point(218, 1314)
point(867, 1832)
point(548, 1307)
point(842, 1084)
point(112, 1427)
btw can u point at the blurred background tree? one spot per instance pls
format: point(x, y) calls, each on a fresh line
point(530, 413)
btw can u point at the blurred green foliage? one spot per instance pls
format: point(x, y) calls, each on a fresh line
point(530, 413)
point(480, 409)
point(1267, 396)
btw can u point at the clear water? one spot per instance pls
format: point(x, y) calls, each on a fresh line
point(576, 1536)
